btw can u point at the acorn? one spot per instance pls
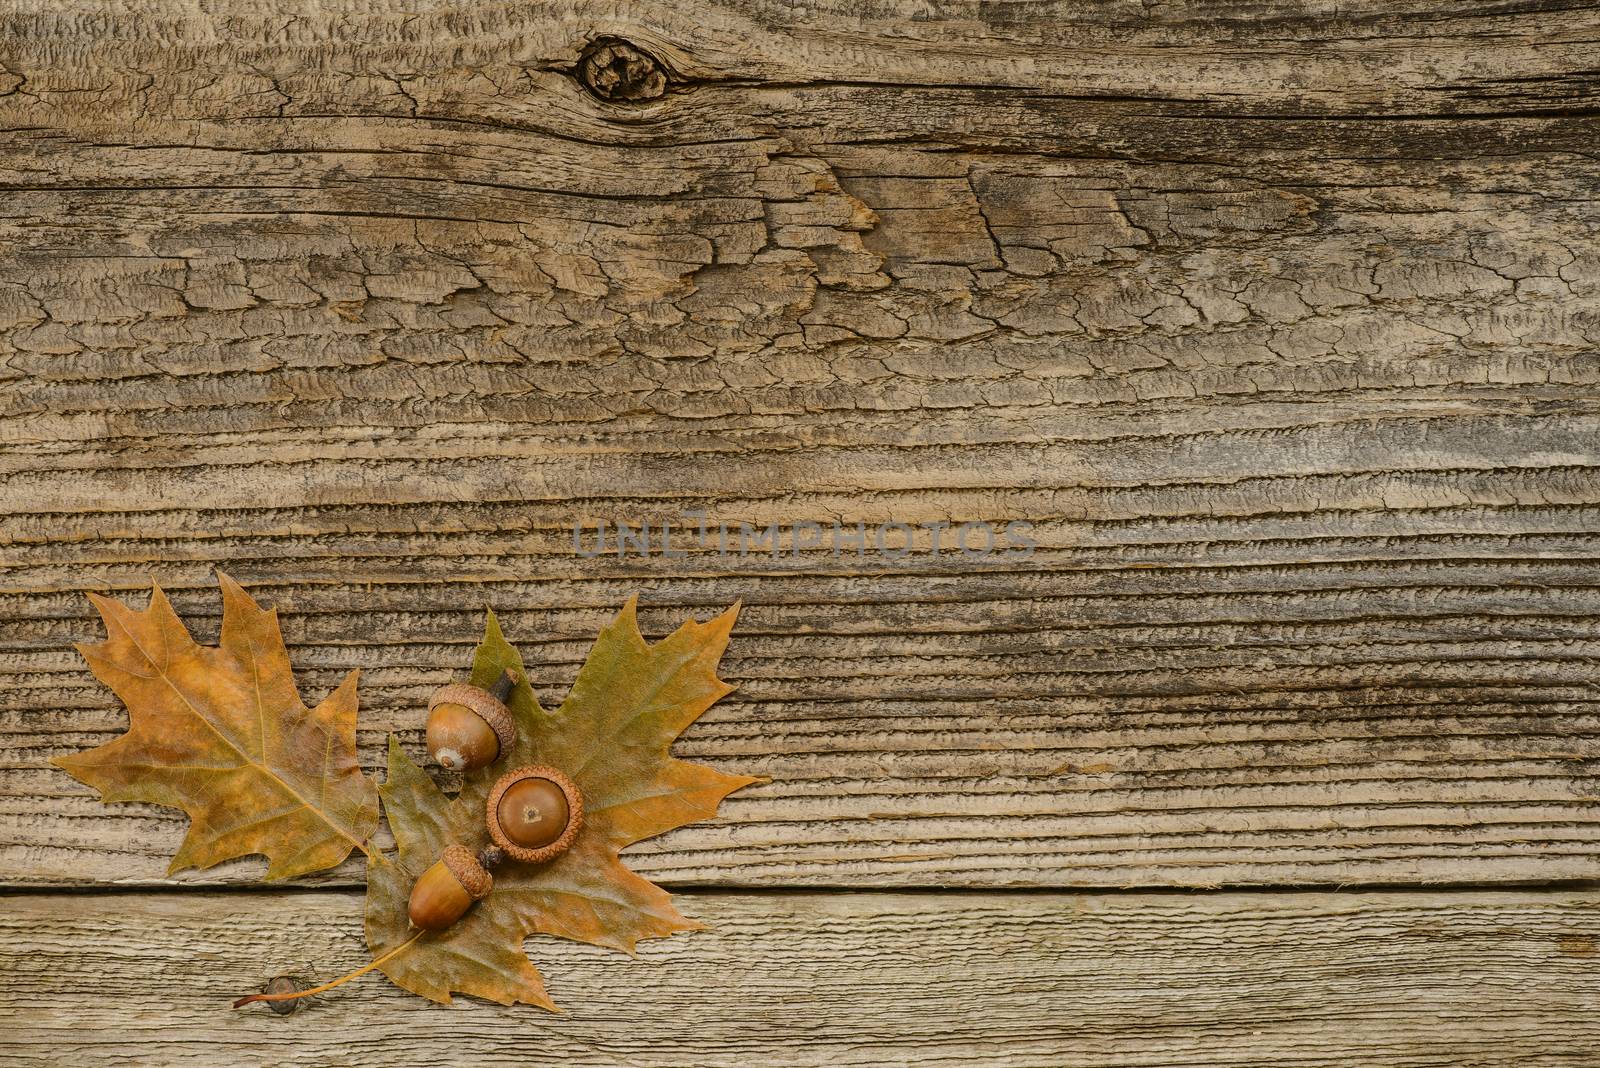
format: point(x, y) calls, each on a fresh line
point(448, 889)
point(534, 813)
point(468, 726)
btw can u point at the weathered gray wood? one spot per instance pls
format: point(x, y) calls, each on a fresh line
point(1397, 980)
point(1278, 322)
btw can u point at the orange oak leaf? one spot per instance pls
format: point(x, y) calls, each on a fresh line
point(220, 732)
point(612, 736)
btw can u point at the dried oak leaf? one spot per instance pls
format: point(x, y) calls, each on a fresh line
point(612, 736)
point(220, 732)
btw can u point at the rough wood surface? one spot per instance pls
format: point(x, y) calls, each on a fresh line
point(1279, 321)
point(1153, 981)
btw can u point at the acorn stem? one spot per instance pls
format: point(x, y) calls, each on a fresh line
point(358, 973)
point(504, 685)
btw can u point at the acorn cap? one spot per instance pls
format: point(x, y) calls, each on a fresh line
point(574, 814)
point(488, 708)
point(468, 872)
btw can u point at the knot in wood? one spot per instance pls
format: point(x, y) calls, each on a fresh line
point(616, 70)
point(283, 984)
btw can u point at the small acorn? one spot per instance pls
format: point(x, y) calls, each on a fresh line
point(534, 813)
point(448, 889)
point(469, 727)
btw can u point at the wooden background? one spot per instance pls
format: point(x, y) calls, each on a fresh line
point(1279, 320)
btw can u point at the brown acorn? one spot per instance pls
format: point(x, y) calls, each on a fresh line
point(469, 727)
point(448, 889)
point(534, 813)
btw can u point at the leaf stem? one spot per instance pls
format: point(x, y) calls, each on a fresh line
point(358, 973)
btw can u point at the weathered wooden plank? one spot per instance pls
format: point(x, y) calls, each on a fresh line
point(1278, 327)
point(1399, 980)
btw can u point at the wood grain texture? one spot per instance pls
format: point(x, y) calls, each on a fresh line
point(1279, 322)
point(1153, 981)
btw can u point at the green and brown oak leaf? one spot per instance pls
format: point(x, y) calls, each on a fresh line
point(612, 736)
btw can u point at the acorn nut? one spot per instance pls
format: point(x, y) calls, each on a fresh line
point(448, 889)
point(468, 726)
point(534, 813)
